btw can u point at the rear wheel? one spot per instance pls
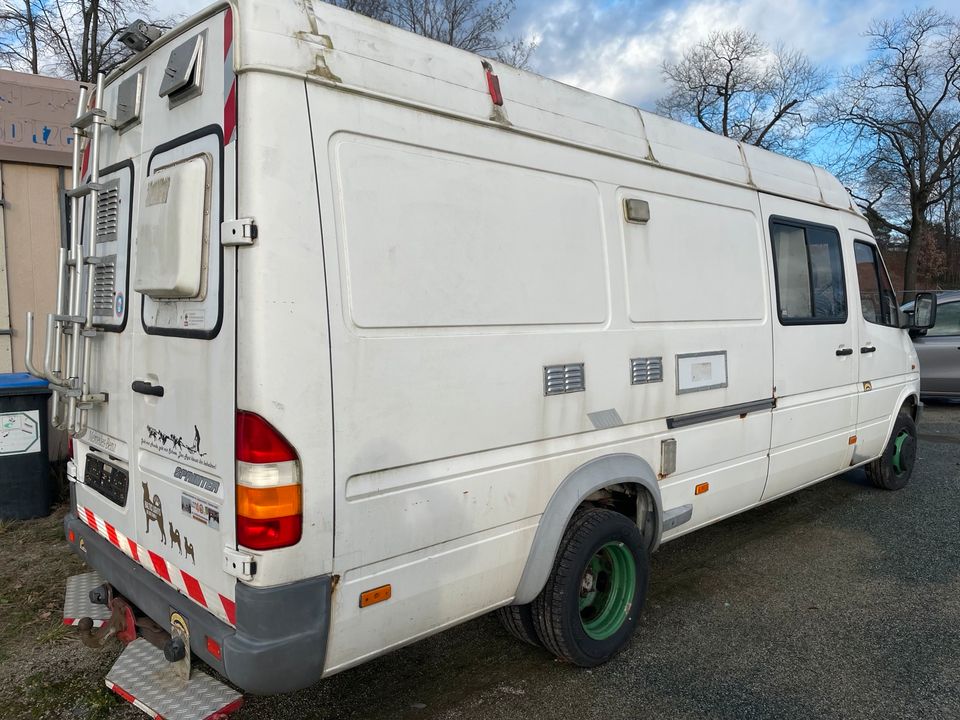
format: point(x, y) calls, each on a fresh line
point(591, 603)
point(892, 470)
point(518, 621)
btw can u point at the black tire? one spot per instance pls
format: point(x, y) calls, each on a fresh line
point(893, 469)
point(518, 621)
point(556, 610)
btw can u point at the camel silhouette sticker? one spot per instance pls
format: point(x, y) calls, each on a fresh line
point(153, 509)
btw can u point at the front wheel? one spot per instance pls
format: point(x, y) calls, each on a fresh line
point(591, 603)
point(892, 470)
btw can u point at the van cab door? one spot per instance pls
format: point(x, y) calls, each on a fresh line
point(884, 350)
point(814, 345)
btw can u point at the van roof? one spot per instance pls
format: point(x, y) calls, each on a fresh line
point(326, 44)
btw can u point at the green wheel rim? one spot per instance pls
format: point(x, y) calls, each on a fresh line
point(606, 590)
point(897, 451)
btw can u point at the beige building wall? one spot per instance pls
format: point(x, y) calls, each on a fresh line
point(36, 141)
point(31, 229)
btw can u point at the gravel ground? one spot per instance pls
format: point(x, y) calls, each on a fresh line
point(840, 601)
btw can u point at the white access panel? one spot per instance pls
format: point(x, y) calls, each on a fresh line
point(173, 230)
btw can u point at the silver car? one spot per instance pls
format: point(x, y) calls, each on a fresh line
point(939, 349)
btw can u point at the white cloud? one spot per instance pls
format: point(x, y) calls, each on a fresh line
point(616, 48)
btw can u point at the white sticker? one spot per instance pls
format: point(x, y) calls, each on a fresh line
point(20, 432)
point(701, 371)
point(194, 318)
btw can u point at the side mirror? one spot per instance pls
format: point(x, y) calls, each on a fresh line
point(924, 311)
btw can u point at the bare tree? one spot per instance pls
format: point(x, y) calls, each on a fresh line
point(473, 25)
point(900, 115)
point(377, 9)
point(69, 38)
point(733, 84)
point(81, 34)
point(19, 35)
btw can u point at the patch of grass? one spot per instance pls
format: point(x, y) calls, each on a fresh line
point(35, 562)
point(72, 696)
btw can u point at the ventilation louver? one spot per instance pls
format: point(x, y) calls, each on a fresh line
point(560, 379)
point(108, 211)
point(104, 285)
point(646, 370)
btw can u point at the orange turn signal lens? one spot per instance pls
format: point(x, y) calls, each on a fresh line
point(264, 503)
point(377, 595)
point(702, 488)
point(852, 440)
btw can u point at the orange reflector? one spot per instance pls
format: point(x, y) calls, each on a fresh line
point(71, 536)
point(213, 647)
point(372, 597)
point(702, 488)
point(852, 440)
point(264, 503)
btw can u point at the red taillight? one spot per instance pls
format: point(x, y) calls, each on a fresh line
point(269, 498)
point(259, 442)
point(269, 534)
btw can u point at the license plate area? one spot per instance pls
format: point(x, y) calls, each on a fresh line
point(111, 481)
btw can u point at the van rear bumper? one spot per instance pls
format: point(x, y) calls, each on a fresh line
point(279, 644)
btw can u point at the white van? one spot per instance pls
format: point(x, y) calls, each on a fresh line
point(380, 336)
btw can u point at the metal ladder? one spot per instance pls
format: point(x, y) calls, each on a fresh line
point(70, 330)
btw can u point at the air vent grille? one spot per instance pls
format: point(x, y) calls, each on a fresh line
point(104, 285)
point(560, 379)
point(646, 370)
point(108, 211)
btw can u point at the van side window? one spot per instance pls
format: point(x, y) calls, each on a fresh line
point(809, 273)
point(877, 298)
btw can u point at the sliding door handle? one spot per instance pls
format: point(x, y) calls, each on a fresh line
point(842, 352)
point(145, 388)
point(868, 349)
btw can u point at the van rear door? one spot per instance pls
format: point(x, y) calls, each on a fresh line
point(183, 380)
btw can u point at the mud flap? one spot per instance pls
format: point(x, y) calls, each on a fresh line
point(76, 603)
point(143, 676)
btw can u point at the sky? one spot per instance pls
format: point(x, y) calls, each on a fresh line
point(615, 48)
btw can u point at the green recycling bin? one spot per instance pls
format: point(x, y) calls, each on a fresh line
point(26, 486)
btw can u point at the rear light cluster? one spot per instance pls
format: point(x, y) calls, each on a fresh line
point(269, 491)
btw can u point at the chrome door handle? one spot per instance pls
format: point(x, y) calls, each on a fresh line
point(841, 352)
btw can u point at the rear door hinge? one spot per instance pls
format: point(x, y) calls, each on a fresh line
point(238, 233)
point(239, 564)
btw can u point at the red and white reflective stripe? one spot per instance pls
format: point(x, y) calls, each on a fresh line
point(132, 700)
point(225, 710)
point(73, 622)
point(229, 81)
point(205, 596)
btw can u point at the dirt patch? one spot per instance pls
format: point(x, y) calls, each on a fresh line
point(45, 672)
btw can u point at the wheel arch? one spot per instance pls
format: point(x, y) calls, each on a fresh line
point(910, 400)
point(594, 476)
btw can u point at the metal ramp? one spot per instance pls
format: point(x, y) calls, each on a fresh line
point(143, 676)
point(76, 603)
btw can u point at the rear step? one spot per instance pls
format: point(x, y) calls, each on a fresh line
point(76, 603)
point(143, 676)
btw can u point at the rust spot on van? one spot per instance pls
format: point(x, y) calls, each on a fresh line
point(334, 583)
point(322, 70)
point(499, 116)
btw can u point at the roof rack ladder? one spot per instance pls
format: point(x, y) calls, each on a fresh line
point(70, 331)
